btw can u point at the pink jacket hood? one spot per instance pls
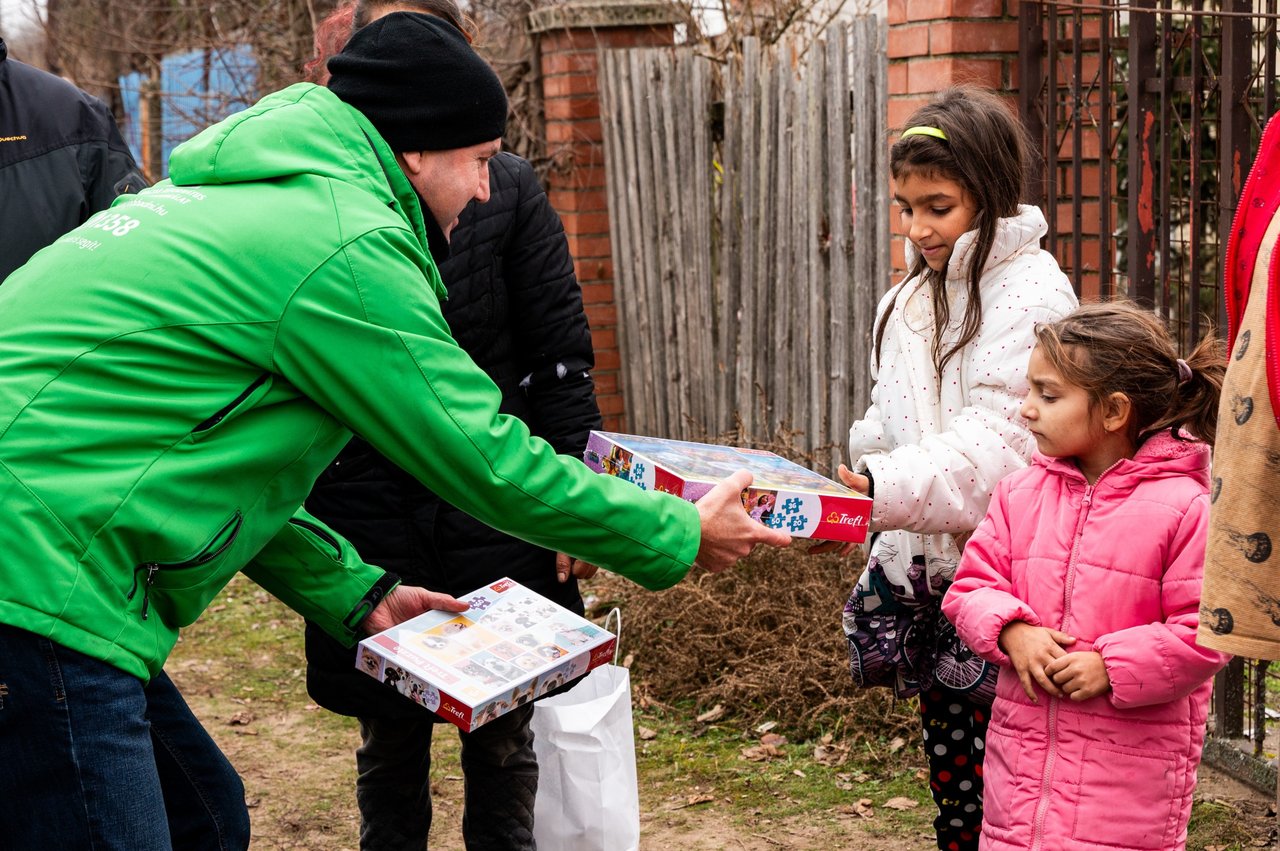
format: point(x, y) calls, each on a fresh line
point(1118, 566)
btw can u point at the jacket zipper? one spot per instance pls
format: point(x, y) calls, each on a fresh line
point(1050, 758)
point(321, 533)
point(212, 421)
point(227, 535)
point(1042, 808)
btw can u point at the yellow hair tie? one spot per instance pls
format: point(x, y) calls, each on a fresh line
point(924, 131)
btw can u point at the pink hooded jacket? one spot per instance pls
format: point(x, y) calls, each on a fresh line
point(1118, 566)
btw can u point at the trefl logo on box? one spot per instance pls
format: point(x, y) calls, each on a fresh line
point(846, 519)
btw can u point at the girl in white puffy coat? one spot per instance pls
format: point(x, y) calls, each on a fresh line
point(950, 355)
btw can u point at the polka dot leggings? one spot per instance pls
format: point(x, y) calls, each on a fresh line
point(955, 731)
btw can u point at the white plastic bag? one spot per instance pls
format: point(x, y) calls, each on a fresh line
point(588, 796)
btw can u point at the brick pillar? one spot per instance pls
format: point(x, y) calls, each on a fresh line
point(570, 36)
point(934, 44)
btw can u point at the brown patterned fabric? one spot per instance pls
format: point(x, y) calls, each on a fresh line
point(1240, 602)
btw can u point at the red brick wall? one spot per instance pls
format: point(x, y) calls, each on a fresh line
point(934, 44)
point(576, 187)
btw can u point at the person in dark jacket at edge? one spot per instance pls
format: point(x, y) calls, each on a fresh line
point(515, 306)
point(61, 159)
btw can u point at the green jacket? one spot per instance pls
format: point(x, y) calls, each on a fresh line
point(176, 372)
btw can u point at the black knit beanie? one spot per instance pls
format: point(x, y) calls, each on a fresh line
point(420, 84)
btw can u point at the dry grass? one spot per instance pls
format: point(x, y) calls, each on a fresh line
point(763, 640)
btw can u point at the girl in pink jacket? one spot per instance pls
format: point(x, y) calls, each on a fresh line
point(1082, 583)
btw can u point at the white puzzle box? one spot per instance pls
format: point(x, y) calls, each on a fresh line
point(511, 646)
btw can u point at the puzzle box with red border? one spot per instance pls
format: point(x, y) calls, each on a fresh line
point(783, 495)
point(471, 667)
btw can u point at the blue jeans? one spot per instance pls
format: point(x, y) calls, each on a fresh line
point(93, 758)
point(393, 783)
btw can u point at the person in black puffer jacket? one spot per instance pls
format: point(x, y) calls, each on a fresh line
point(515, 306)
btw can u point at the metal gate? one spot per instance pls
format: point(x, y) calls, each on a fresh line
point(1147, 115)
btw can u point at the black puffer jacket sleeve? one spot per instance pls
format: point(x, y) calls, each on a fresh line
point(62, 159)
point(552, 329)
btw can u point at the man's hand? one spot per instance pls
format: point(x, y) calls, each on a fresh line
point(728, 532)
point(408, 601)
point(566, 565)
point(1031, 649)
point(1080, 675)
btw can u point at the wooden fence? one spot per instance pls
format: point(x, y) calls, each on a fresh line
point(749, 222)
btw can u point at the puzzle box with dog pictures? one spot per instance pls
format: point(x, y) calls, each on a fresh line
point(511, 646)
point(783, 495)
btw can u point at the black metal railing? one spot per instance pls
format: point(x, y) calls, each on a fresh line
point(1147, 116)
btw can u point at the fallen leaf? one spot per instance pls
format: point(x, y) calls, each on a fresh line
point(628, 659)
point(766, 726)
point(896, 744)
point(216, 608)
point(901, 804)
point(797, 772)
point(241, 717)
point(245, 731)
point(646, 734)
point(694, 800)
point(715, 713)
point(773, 739)
point(830, 754)
point(862, 808)
point(761, 753)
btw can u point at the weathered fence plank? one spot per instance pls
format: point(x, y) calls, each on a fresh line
point(748, 267)
point(870, 266)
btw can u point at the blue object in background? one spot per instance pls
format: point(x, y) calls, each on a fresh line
point(198, 88)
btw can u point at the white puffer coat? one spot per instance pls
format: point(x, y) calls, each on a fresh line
point(936, 448)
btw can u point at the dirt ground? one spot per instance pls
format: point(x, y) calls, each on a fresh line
point(241, 669)
point(285, 816)
point(301, 798)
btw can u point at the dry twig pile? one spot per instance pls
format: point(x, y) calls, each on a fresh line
point(763, 640)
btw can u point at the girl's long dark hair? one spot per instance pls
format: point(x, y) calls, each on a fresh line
point(1118, 347)
point(986, 152)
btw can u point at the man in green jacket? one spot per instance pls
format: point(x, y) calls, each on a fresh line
point(176, 372)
